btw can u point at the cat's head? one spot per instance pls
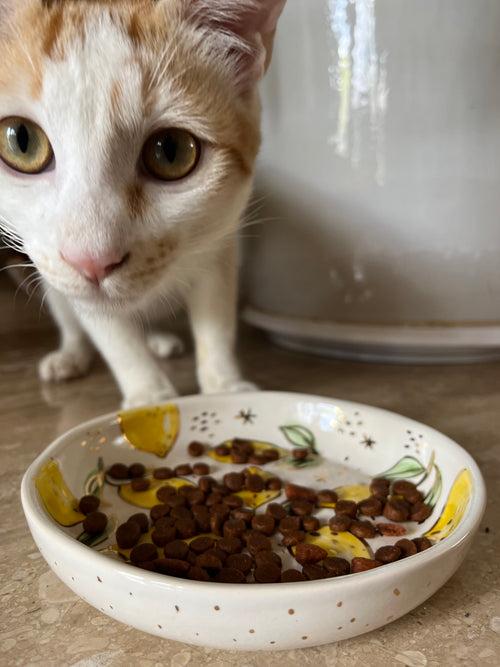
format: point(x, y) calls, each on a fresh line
point(128, 135)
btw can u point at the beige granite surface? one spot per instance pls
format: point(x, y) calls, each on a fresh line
point(44, 623)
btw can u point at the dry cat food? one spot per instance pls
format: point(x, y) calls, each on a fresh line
point(204, 531)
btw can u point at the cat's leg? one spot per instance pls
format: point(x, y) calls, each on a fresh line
point(75, 353)
point(165, 345)
point(212, 304)
point(124, 347)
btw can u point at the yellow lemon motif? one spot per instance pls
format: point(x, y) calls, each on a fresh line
point(254, 499)
point(454, 509)
point(356, 492)
point(343, 545)
point(56, 496)
point(147, 499)
point(152, 430)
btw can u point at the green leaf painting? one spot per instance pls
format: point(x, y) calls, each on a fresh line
point(299, 436)
point(405, 468)
point(94, 483)
point(435, 491)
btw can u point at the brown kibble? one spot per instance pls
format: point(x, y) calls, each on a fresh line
point(262, 557)
point(340, 523)
point(422, 543)
point(205, 484)
point(290, 523)
point(257, 460)
point(363, 529)
point(300, 454)
point(183, 470)
point(142, 520)
point(419, 512)
point(163, 536)
point(242, 446)
point(267, 573)
point(235, 481)
point(296, 492)
point(292, 537)
point(201, 469)
point(232, 501)
point(222, 450)
point(314, 571)
point(363, 564)
point(388, 554)
point(95, 523)
point(128, 534)
point(216, 523)
point(301, 507)
point(234, 528)
point(202, 517)
point(264, 523)
point(258, 542)
point(396, 510)
point(407, 547)
point(88, 504)
point(380, 488)
point(163, 473)
point(239, 458)
point(230, 545)
point(198, 574)
point(140, 484)
point(408, 490)
point(201, 544)
point(243, 513)
point(136, 470)
point(274, 484)
point(347, 507)
point(310, 523)
point(142, 553)
point(254, 483)
point(270, 455)
point(370, 507)
point(118, 471)
point(181, 513)
point(213, 499)
point(196, 448)
point(391, 529)
point(172, 566)
point(309, 553)
point(166, 493)
point(159, 511)
point(241, 562)
point(177, 549)
point(336, 567)
point(292, 575)
point(209, 561)
point(229, 575)
point(327, 496)
point(277, 511)
point(186, 528)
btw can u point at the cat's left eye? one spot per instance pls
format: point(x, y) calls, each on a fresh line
point(24, 146)
point(171, 154)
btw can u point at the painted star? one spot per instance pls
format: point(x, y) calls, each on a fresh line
point(246, 416)
point(368, 442)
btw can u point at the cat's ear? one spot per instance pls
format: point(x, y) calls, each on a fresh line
point(251, 21)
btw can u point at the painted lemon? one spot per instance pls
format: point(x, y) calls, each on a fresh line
point(147, 499)
point(454, 509)
point(356, 492)
point(152, 430)
point(56, 496)
point(343, 545)
point(258, 446)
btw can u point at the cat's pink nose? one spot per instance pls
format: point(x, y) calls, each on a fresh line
point(93, 268)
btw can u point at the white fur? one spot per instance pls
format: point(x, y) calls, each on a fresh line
point(79, 203)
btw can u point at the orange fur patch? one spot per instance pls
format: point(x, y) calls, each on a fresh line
point(136, 201)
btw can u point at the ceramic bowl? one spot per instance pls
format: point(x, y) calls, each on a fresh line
point(349, 444)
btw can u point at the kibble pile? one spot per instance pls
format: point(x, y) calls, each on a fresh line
point(204, 533)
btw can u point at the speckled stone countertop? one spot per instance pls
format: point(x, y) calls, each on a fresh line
point(43, 623)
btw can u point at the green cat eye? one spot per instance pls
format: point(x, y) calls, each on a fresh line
point(24, 146)
point(171, 154)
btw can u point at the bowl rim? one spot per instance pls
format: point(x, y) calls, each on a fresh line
point(36, 516)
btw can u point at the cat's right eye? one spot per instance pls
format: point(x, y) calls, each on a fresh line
point(24, 146)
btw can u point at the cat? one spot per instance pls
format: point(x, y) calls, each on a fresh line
point(129, 131)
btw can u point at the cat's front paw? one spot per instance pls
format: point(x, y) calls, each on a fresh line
point(148, 396)
point(66, 364)
point(165, 345)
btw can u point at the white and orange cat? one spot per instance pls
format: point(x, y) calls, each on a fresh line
point(129, 131)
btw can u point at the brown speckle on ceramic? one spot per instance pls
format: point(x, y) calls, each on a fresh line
point(291, 612)
point(396, 591)
point(99, 580)
point(304, 637)
point(251, 631)
point(353, 620)
point(217, 608)
point(339, 604)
